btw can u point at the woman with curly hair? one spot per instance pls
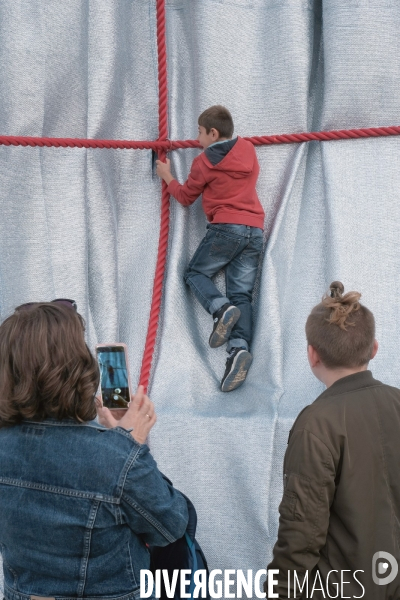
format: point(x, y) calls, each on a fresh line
point(78, 501)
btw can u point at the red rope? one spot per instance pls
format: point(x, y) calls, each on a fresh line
point(164, 221)
point(164, 144)
point(10, 140)
point(323, 136)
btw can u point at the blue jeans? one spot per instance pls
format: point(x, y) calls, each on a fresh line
point(237, 249)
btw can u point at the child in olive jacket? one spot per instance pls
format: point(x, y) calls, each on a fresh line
point(339, 526)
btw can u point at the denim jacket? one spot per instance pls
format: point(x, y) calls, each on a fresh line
point(78, 504)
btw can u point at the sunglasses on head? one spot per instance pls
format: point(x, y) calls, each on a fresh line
point(65, 301)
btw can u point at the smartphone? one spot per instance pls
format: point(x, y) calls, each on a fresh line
point(114, 375)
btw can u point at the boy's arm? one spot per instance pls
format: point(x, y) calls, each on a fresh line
point(309, 487)
point(192, 188)
point(164, 170)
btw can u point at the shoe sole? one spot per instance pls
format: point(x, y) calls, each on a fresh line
point(224, 328)
point(238, 374)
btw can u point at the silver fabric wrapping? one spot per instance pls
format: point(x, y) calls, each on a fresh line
point(84, 224)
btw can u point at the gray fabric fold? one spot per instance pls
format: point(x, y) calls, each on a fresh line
point(84, 224)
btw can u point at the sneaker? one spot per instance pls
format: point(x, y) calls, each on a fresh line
point(237, 365)
point(224, 319)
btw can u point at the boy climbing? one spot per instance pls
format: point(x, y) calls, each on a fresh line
point(226, 175)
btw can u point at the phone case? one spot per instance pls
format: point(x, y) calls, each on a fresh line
point(110, 369)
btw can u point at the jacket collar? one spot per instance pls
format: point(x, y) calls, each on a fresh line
point(68, 422)
point(216, 152)
point(350, 383)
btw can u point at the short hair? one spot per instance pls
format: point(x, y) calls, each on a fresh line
point(219, 118)
point(46, 368)
point(341, 329)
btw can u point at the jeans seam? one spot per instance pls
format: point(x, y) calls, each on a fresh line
point(226, 300)
point(149, 518)
point(2, 546)
point(202, 243)
point(58, 490)
point(233, 252)
point(225, 228)
point(131, 569)
point(198, 293)
point(127, 467)
point(234, 236)
point(87, 539)
point(10, 592)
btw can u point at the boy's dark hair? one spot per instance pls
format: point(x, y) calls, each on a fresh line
point(217, 117)
point(341, 329)
point(46, 368)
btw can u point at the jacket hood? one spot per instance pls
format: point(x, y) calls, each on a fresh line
point(238, 162)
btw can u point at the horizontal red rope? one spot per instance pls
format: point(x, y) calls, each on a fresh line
point(10, 140)
point(292, 138)
point(322, 136)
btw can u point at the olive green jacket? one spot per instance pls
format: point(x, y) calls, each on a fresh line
point(341, 499)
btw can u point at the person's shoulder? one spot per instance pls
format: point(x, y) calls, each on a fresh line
point(306, 416)
point(335, 405)
point(199, 158)
point(245, 152)
point(116, 442)
point(199, 161)
point(242, 143)
point(357, 395)
point(390, 388)
point(113, 447)
point(323, 412)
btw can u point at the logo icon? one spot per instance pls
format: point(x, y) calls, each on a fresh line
point(381, 573)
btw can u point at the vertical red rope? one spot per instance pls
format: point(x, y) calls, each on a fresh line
point(162, 72)
point(164, 224)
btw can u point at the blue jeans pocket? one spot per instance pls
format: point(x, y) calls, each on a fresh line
point(224, 247)
point(251, 255)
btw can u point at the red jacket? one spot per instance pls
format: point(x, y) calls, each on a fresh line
point(228, 188)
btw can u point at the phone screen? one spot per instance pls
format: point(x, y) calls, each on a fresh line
point(114, 376)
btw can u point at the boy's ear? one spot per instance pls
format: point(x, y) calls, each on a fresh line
point(313, 356)
point(215, 133)
point(374, 349)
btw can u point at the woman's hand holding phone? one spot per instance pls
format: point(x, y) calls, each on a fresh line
point(139, 416)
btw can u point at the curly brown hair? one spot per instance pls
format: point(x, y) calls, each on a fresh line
point(46, 368)
point(341, 329)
